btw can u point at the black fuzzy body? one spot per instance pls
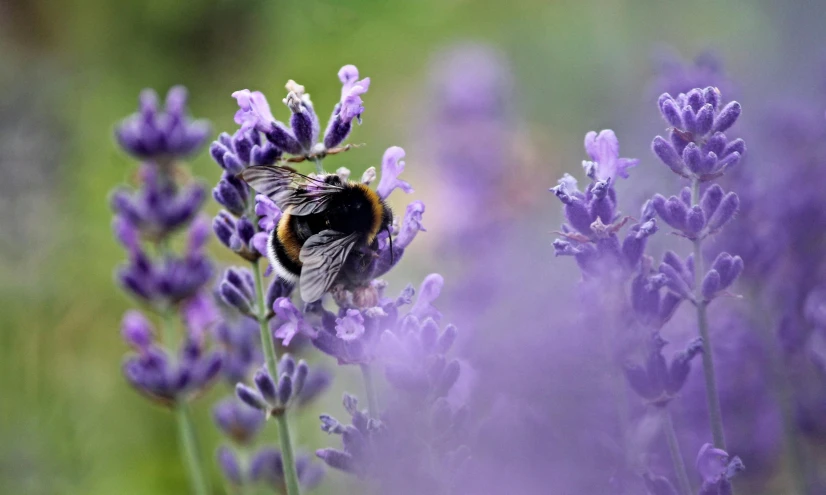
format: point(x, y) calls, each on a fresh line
point(351, 210)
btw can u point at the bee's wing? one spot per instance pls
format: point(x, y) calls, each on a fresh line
point(305, 195)
point(322, 256)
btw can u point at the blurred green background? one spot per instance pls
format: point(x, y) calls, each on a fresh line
point(70, 70)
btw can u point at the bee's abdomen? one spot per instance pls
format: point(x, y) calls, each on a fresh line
point(280, 256)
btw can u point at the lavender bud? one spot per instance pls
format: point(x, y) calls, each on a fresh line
point(695, 220)
point(351, 404)
point(285, 389)
point(331, 425)
point(668, 306)
point(694, 99)
point(681, 366)
point(692, 157)
point(711, 95)
point(428, 335)
point(448, 379)
point(337, 459)
point(287, 365)
point(715, 144)
point(670, 111)
point(738, 145)
point(705, 118)
point(265, 385)
point(250, 397)
point(711, 284)
point(229, 465)
point(727, 117)
point(685, 195)
point(235, 298)
point(637, 377)
point(300, 377)
point(446, 339)
point(728, 206)
point(668, 155)
point(675, 281)
point(689, 120)
point(711, 200)
point(678, 141)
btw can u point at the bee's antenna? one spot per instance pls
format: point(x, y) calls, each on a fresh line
point(390, 240)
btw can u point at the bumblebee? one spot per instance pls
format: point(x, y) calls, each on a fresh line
point(328, 230)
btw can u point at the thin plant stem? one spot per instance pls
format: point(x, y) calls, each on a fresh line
point(186, 431)
point(676, 453)
point(715, 415)
point(370, 390)
point(319, 168)
point(290, 475)
point(189, 448)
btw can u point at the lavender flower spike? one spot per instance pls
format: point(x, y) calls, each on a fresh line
point(603, 148)
point(151, 134)
point(350, 107)
point(391, 167)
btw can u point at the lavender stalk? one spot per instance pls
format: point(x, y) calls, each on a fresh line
point(370, 390)
point(284, 441)
point(167, 284)
point(698, 150)
point(712, 396)
point(676, 453)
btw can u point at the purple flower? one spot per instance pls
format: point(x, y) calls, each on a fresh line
point(165, 380)
point(293, 321)
point(351, 91)
point(603, 148)
point(697, 146)
point(159, 207)
point(253, 111)
point(241, 150)
point(272, 395)
point(238, 421)
point(717, 469)
point(657, 382)
point(268, 213)
point(241, 348)
point(230, 467)
point(350, 106)
point(351, 326)
point(237, 234)
point(165, 282)
point(428, 292)
point(162, 136)
point(391, 167)
point(136, 330)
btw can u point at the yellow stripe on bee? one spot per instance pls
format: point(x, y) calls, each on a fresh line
point(378, 211)
point(288, 238)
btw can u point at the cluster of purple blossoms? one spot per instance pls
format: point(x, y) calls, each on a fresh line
point(170, 285)
point(301, 137)
point(417, 442)
point(696, 149)
point(241, 418)
point(353, 335)
point(162, 136)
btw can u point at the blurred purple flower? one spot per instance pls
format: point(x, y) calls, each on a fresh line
point(603, 148)
point(162, 136)
point(159, 207)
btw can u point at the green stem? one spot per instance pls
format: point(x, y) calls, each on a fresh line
point(319, 168)
point(715, 415)
point(676, 453)
point(290, 475)
point(189, 448)
point(370, 390)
